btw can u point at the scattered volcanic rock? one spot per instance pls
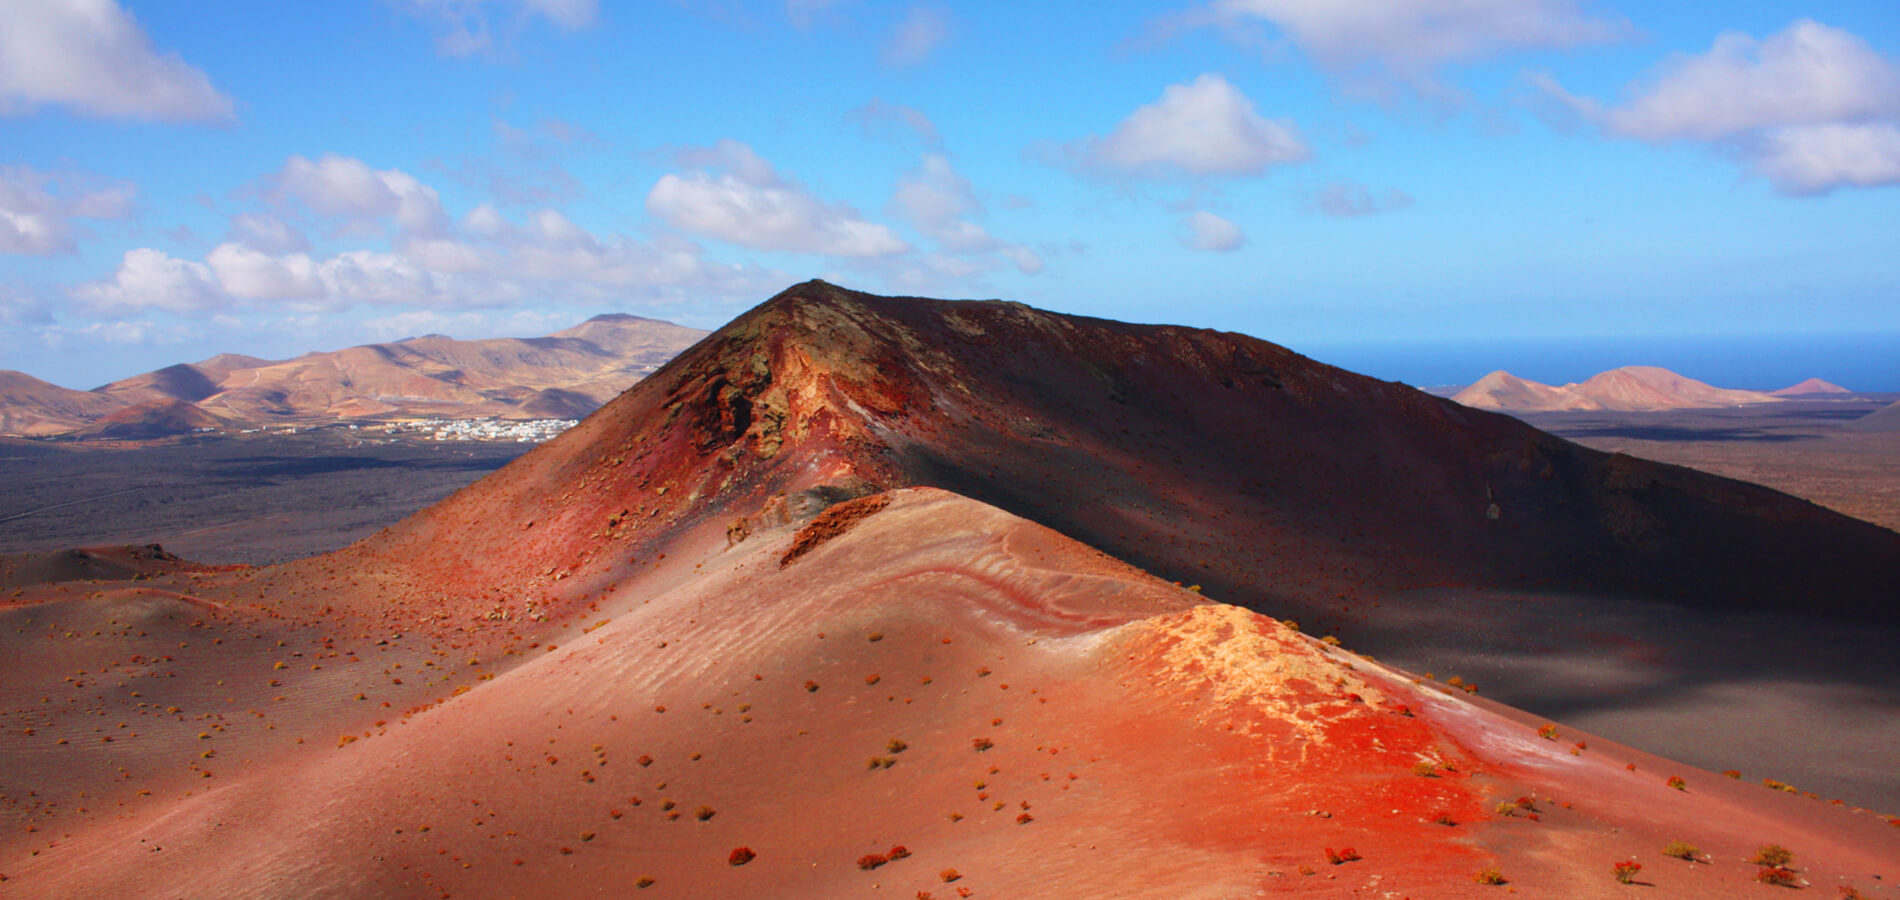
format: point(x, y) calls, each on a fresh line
point(844, 593)
point(939, 690)
point(1809, 387)
point(1630, 388)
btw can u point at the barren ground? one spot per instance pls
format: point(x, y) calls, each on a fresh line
point(255, 499)
point(1797, 447)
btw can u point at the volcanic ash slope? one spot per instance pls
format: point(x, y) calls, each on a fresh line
point(914, 669)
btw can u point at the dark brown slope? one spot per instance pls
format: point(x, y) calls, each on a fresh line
point(153, 419)
point(1215, 459)
point(178, 382)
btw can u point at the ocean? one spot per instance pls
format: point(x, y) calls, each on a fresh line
point(1867, 363)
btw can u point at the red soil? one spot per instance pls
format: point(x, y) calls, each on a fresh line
point(530, 689)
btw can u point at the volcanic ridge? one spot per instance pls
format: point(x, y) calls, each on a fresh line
point(869, 597)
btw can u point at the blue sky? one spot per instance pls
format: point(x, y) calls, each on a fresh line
point(184, 178)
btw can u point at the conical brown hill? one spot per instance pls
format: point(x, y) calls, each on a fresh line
point(1207, 457)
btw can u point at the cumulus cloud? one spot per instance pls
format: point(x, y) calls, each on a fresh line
point(92, 57)
point(1811, 108)
point(470, 27)
point(1206, 127)
point(737, 197)
point(37, 209)
point(1815, 159)
point(547, 256)
point(265, 232)
point(939, 202)
point(248, 274)
point(152, 279)
point(1206, 231)
point(1350, 198)
point(916, 37)
point(347, 189)
point(1375, 46)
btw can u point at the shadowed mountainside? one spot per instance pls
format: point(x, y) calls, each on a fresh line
point(1209, 458)
point(29, 406)
point(745, 632)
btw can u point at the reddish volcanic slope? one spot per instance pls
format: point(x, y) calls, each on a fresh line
point(1208, 458)
point(824, 586)
point(911, 669)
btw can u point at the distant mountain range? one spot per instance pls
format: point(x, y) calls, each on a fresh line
point(1629, 388)
point(567, 374)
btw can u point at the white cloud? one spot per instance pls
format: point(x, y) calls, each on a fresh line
point(1374, 45)
point(91, 56)
point(1806, 74)
point(1026, 261)
point(1811, 108)
point(248, 274)
point(740, 199)
point(558, 230)
point(1350, 198)
point(347, 189)
point(921, 32)
point(151, 279)
point(485, 221)
point(447, 255)
point(1212, 233)
point(938, 201)
point(934, 198)
point(548, 258)
point(265, 232)
point(468, 27)
point(1815, 159)
point(37, 209)
point(1206, 127)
